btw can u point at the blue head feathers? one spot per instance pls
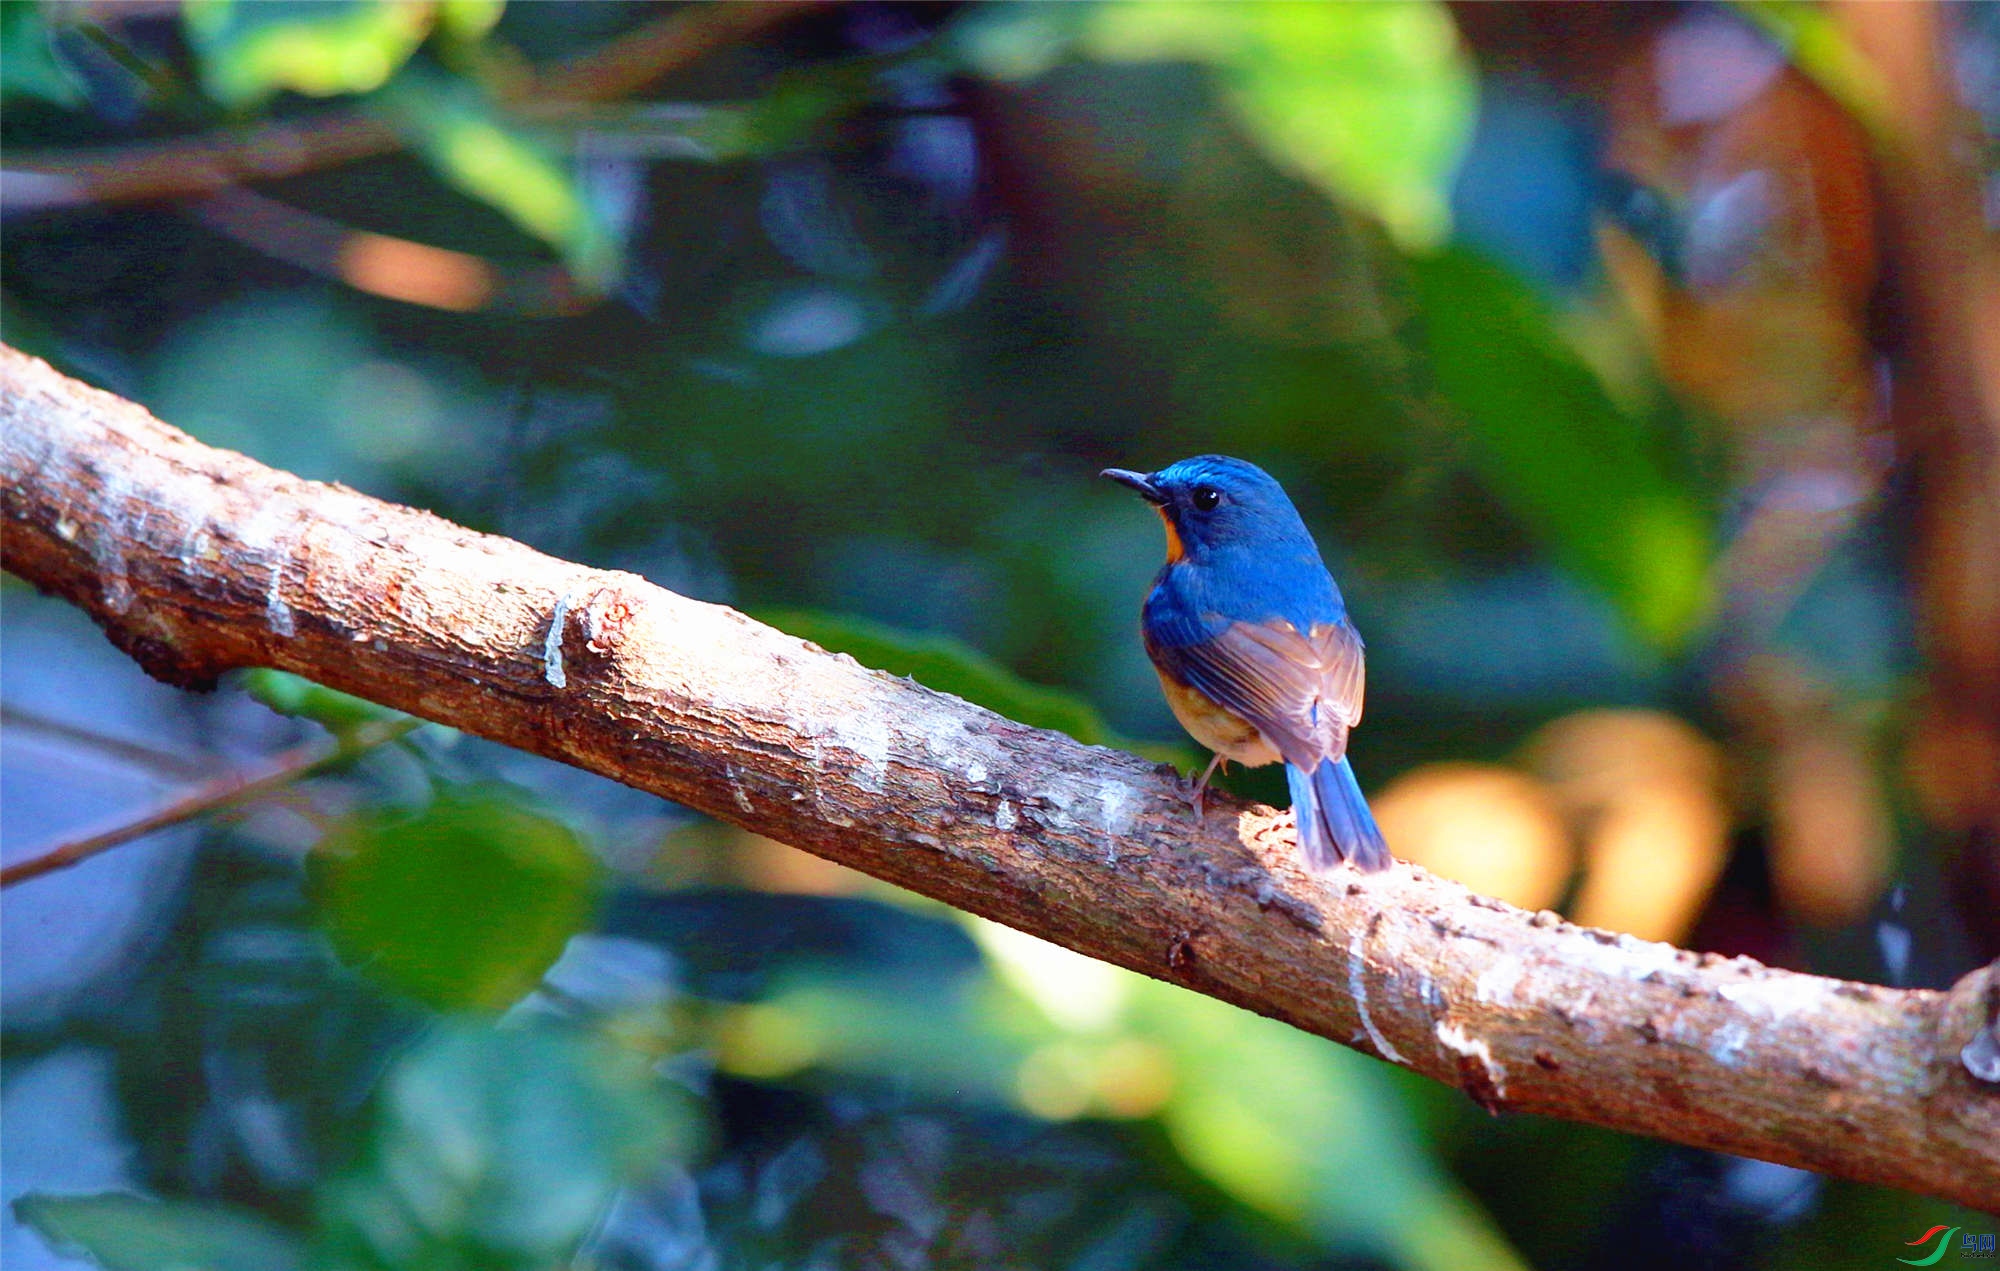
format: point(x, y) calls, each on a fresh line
point(1213, 502)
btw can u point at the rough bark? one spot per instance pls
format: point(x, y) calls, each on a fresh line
point(196, 561)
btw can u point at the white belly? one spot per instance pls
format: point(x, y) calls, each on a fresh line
point(1224, 732)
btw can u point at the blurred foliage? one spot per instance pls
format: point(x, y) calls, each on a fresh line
point(28, 63)
point(1373, 101)
point(465, 903)
point(1304, 1136)
point(1816, 44)
point(489, 1148)
point(498, 1149)
point(250, 52)
point(323, 48)
point(289, 694)
point(127, 1233)
point(1538, 416)
point(851, 311)
point(458, 129)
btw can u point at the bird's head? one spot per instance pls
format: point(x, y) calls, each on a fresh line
point(1211, 502)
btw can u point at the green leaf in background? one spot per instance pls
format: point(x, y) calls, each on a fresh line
point(1288, 1125)
point(289, 694)
point(460, 133)
point(1310, 1134)
point(798, 102)
point(951, 666)
point(499, 1148)
point(1815, 42)
point(1547, 439)
point(128, 1233)
point(469, 20)
point(29, 66)
point(321, 48)
point(465, 903)
point(1371, 101)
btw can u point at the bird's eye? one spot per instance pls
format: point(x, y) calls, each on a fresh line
point(1205, 497)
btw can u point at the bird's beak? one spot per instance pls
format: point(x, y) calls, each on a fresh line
point(1138, 481)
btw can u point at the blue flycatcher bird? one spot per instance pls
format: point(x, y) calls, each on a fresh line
point(1253, 646)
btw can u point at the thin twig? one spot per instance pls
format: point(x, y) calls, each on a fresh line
point(135, 753)
point(227, 791)
point(627, 63)
point(384, 265)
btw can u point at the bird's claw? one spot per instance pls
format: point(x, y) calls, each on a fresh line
point(1198, 798)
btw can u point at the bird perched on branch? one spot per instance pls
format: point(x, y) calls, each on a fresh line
point(1254, 649)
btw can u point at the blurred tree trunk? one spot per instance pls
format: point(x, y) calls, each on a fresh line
point(1946, 351)
point(1873, 248)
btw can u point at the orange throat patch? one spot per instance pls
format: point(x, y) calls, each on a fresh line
point(1175, 552)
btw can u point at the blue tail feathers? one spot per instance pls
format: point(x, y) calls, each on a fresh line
point(1335, 824)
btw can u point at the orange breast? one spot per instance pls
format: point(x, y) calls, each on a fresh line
point(1222, 731)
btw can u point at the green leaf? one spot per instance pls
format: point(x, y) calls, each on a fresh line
point(29, 66)
point(1285, 1124)
point(465, 903)
point(1370, 101)
point(1816, 43)
point(289, 694)
point(1591, 480)
point(802, 99)
point(498, 1148)
point(321, 48)
point(130, 1233)
point(461, 134)
point(1310, 1134)
point(951, 666)
point(469, 20)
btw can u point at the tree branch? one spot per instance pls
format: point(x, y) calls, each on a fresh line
point(196, 561)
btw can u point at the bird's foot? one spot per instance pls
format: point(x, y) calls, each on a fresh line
point(1200, 794)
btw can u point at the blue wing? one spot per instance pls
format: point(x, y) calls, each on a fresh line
point(1302, 690)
